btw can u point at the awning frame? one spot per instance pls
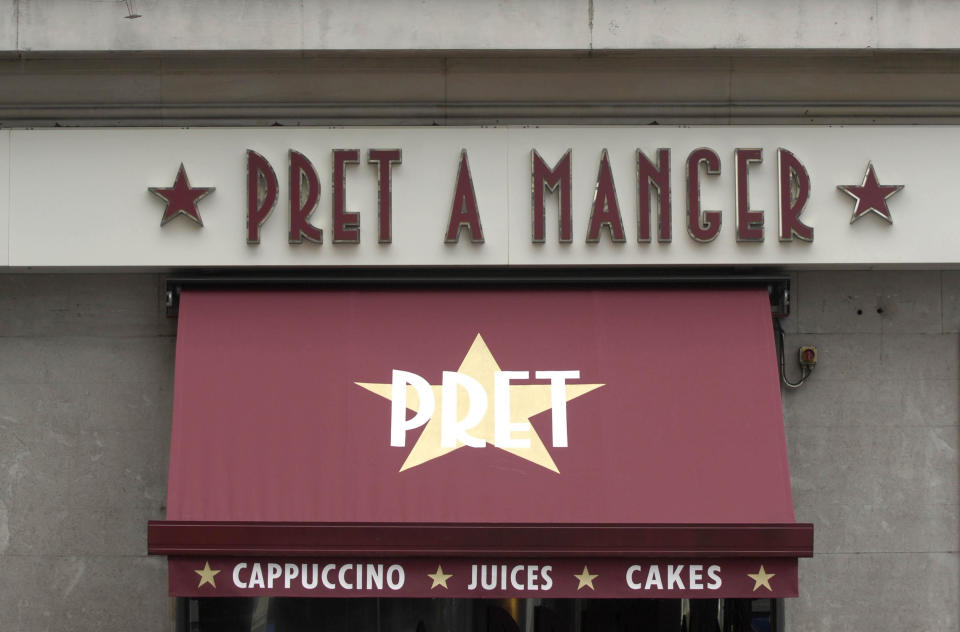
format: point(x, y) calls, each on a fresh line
point(777, 283)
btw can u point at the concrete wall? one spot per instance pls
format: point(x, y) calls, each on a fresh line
point(872, 439)
point(86, 370)
point(180, 25)
point(86, 375)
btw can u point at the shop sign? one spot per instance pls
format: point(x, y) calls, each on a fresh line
point(478, 197)
point(481, 578)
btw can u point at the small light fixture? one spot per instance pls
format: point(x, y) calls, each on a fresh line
point(806, 358)
point(131, 11)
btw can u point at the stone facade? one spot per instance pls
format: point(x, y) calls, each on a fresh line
point(86, 358)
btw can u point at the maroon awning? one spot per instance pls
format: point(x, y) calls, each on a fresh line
point(635, 435)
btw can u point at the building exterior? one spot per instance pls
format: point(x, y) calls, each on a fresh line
point(87, 351)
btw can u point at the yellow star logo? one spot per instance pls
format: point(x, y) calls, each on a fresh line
point(585, 579)
point(206, 575)
point(526, 401)
point(439, 578)
point(761, 578)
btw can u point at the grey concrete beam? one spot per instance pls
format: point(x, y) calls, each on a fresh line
point(447, 25)
point(182, 25)
point(8, 25)
point(735, 24)
point(465, 25)
point(174, 25)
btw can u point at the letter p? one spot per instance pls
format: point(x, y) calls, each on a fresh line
point(403, 383)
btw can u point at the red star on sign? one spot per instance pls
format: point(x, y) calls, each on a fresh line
point(871, 196)
point(181, 198)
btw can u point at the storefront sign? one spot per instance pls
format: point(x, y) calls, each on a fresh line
point(477, 197)
point(479, 406)
point(479, 578)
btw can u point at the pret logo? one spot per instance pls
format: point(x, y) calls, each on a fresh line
point(478, 405)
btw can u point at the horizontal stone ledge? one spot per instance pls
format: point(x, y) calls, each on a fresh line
point(260, 114)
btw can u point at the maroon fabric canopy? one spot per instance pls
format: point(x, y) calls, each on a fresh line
point(632, 432)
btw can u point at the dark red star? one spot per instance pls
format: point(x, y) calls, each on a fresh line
point(871, 196)
point(181, 198)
